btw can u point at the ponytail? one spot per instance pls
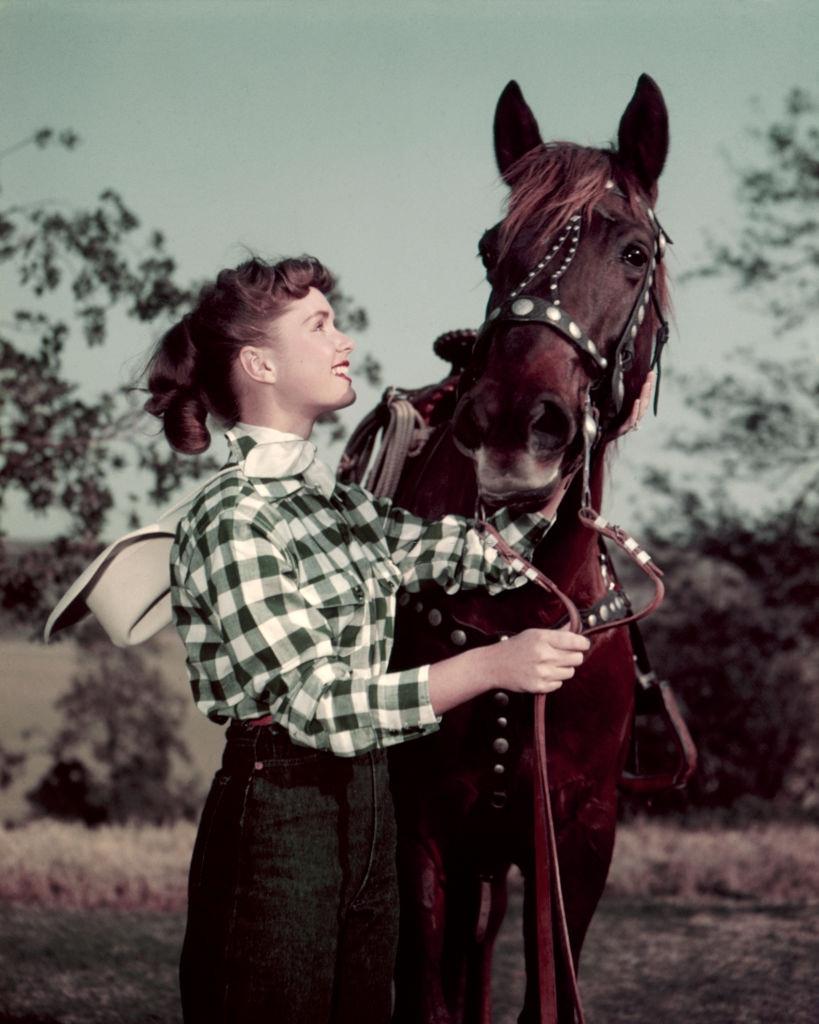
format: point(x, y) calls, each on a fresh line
point(176, 397)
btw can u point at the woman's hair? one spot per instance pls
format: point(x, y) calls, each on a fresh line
point(190, 373)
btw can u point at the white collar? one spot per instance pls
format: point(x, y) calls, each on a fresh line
point(280, 455)
point(266, 435)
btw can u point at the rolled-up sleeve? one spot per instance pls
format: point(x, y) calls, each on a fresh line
point(271, 644)
point(456, 552)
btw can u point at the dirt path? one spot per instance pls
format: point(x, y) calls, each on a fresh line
point(652, 960)
point(645, 961)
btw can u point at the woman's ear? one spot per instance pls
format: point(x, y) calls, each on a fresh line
point(258, 364)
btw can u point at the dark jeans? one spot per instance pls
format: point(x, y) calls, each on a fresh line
point(292, 900)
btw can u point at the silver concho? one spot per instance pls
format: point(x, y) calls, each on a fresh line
point(522, 307)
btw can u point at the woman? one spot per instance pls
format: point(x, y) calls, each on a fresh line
point(283, 586)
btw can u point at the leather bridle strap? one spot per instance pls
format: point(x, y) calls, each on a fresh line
point(521, 306)
point(550, 905)
point(548, 891)
point(641, 558)
point(533, 309)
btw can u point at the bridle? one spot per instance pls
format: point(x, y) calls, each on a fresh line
point(520, 306)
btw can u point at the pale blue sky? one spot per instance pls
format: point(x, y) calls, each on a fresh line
point(361, 132)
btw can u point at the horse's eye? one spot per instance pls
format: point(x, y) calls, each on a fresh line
point(634, 255)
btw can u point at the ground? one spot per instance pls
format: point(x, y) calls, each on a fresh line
point(646, 960)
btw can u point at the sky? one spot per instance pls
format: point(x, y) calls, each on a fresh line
point(360, 132)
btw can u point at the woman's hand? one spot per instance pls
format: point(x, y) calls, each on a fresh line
point(534, 661)
point(538, 660)
point(640, 407)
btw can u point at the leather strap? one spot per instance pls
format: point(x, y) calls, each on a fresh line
point(641, 558)
point(660, 696)
point(550, 909)
point(544, 860)
point(550, 905)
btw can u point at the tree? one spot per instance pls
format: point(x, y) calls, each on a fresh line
point(59, 448)
point(119, 755)
point(739, 645)
point(764, 416)
point(776, 250)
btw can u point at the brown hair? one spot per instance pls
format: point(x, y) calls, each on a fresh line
point(190, 373)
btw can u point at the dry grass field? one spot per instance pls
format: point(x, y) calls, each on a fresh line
point(698, 926)
point(66, 866)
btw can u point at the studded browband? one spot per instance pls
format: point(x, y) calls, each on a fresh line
point(522, 307)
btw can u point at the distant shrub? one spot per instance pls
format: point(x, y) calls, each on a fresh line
point(737, 640)
point(119, 755)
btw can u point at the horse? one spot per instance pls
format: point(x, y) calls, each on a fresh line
point(573, 320)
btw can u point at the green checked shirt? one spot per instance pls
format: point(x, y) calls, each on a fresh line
point(285, 599)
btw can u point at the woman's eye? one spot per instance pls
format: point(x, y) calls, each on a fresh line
point(634, 255)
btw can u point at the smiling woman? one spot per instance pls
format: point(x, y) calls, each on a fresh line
point(306, 359)
point(193, 372)
point(283, 584)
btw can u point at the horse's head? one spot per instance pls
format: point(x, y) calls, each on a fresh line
point(577, 286)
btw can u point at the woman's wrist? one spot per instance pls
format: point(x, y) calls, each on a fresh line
point(460, 678)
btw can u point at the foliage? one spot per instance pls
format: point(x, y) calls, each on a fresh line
point(61, 448)
point(762, 423)
point(118, 755)
point(739, 642)
point(776, 251)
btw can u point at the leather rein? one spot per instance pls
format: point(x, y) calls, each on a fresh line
point(549, 895)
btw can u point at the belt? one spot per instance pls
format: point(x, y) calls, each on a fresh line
point(258, 723)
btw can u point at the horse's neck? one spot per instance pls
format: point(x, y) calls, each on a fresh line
point(442, 480)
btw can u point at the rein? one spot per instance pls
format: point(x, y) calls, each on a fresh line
point(549, 893)
point(520, 307)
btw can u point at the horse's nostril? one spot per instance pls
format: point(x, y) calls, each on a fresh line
point(551, 428)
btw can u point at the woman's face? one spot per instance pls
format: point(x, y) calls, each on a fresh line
point(311, 359)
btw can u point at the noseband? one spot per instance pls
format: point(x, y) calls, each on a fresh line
point(520, 307)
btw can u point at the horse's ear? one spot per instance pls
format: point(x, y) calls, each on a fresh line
point(516, 130)
point(642, 139)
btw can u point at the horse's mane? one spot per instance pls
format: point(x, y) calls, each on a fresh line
point(552, 182)
point(549, 184)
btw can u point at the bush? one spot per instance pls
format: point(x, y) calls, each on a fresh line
point(738, 646)
point(119, 755)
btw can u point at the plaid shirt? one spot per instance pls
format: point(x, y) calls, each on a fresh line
point(285, 600)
